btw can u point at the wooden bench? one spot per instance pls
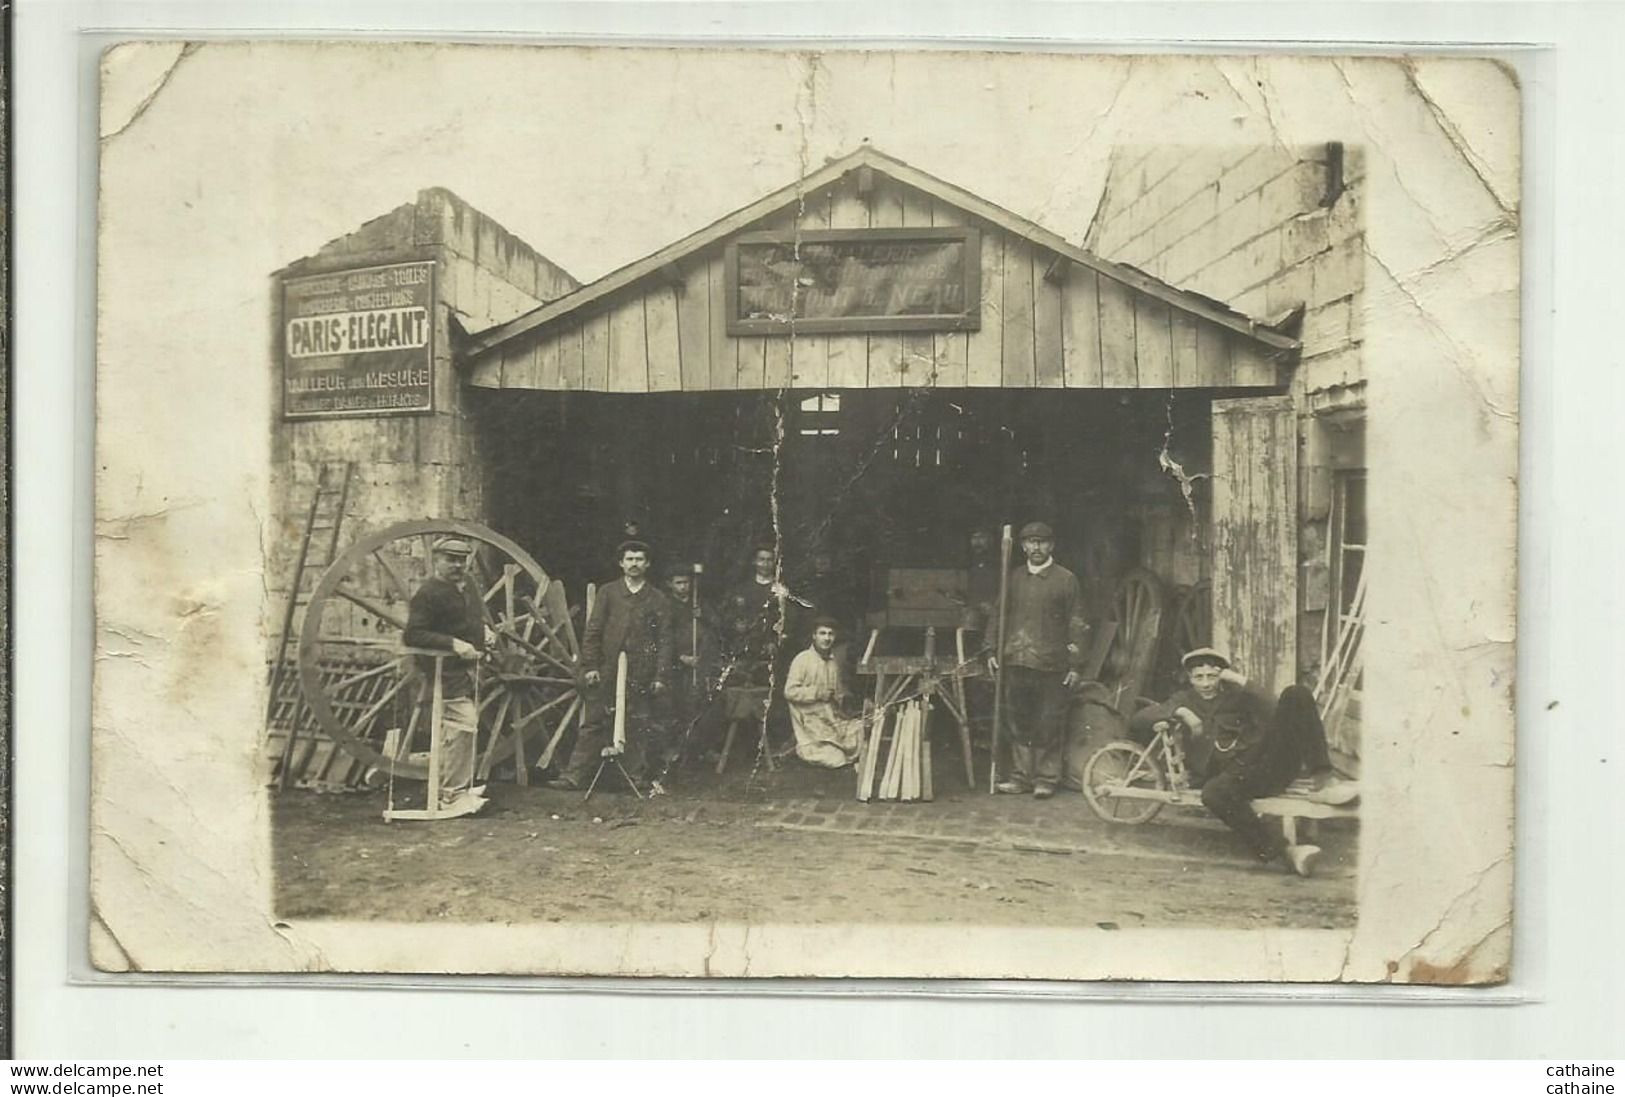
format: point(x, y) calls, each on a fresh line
point(1290, 806)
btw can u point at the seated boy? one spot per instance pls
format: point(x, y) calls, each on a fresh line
point(1241, 747)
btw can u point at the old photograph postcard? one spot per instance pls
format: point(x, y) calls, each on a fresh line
point(774, 512)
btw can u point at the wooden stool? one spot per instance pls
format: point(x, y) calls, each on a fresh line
point(740, 705)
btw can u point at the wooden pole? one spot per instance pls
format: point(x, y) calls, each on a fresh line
point(694, 643)
point(998, 651)
point(620, 703)
point(435, 716)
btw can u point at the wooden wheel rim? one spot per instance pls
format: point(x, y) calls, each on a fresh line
point(1137, 600)
point(311, 640)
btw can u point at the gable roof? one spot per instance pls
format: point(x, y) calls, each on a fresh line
point(1193, 304)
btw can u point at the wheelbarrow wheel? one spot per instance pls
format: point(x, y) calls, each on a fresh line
point(1118, 766)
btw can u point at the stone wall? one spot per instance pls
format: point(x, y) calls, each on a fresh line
point(409, 466)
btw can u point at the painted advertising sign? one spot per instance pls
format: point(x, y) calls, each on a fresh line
point(359, 342)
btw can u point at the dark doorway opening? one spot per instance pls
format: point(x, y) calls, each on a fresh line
point(873, 478)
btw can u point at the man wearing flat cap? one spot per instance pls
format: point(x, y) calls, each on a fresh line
point(632, 616)
point(445, 614)
point(1044, 632)
point(1240, 746)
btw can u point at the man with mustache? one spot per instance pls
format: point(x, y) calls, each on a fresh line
point(1044, 632)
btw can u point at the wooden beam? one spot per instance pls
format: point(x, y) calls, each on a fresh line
point(1056, 272)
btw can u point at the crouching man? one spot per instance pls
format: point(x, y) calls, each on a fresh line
point(816, 690)
point(1241, 747)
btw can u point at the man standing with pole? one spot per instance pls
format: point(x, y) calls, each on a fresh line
point(1040, 651)
point(998, 646)
point(631, 618)
point(445, 615)
point(694, 677)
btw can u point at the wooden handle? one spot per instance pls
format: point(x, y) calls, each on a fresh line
point(620, 702)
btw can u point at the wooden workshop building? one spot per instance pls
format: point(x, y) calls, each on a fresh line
point(870, 361)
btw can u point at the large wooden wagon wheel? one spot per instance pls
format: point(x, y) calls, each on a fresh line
point(1137, 613)
point(370, 695)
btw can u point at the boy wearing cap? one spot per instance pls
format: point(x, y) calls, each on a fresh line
point(816, 689)
point(445, 614)
point(696, 647)
point(633, 616)
point(1044, 632)
point(1240, 747)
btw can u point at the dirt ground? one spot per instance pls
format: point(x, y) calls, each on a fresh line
point(791, 845)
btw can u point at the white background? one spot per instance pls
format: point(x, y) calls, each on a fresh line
point(1568, 946)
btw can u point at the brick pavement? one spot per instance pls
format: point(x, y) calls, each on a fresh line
point(1063, 826)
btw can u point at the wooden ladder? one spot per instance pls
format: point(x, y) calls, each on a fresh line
point(322, 525)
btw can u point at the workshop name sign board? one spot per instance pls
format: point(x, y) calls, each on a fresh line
point(359, 342)
point(856, 280)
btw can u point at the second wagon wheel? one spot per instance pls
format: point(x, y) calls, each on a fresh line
point(370, 695)
point(1190, 626)
point(1137, 612)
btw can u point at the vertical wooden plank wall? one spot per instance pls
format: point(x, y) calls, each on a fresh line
point(724, 375)
point(1077, 328)
point(848, 354)
point(1183, 337)
point(1018, 368)
point(1153, 342)
point(918, 350)
point(694, 326)
point(984, 349)
point(1048, 339)
point(1255, 537)
point(809, 355)
point(595, 354)
point(548, 362)
point(572, 358)
point(661, 339)
point(886, 360)
point(948, 347)
point(1117, 366)
point(1080, 329)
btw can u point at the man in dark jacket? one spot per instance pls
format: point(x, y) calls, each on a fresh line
point(1241, 746)
point(751, 620)
point(1043, 649)
point(445, 614)
point(632, 616)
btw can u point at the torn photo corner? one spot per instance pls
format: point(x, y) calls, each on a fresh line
point(746, 513)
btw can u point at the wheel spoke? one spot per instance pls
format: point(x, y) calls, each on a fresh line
point(542, 653)
point(371, 607)
point(405, 747)
point(540, 617)
point(345, 683)
point(365, 721)
point(530, 716)
point(496, 735)
point(534, 680)
point(545, 759)
point(394, 577)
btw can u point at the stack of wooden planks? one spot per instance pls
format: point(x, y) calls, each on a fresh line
point(906, 774)
point(314, 761)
